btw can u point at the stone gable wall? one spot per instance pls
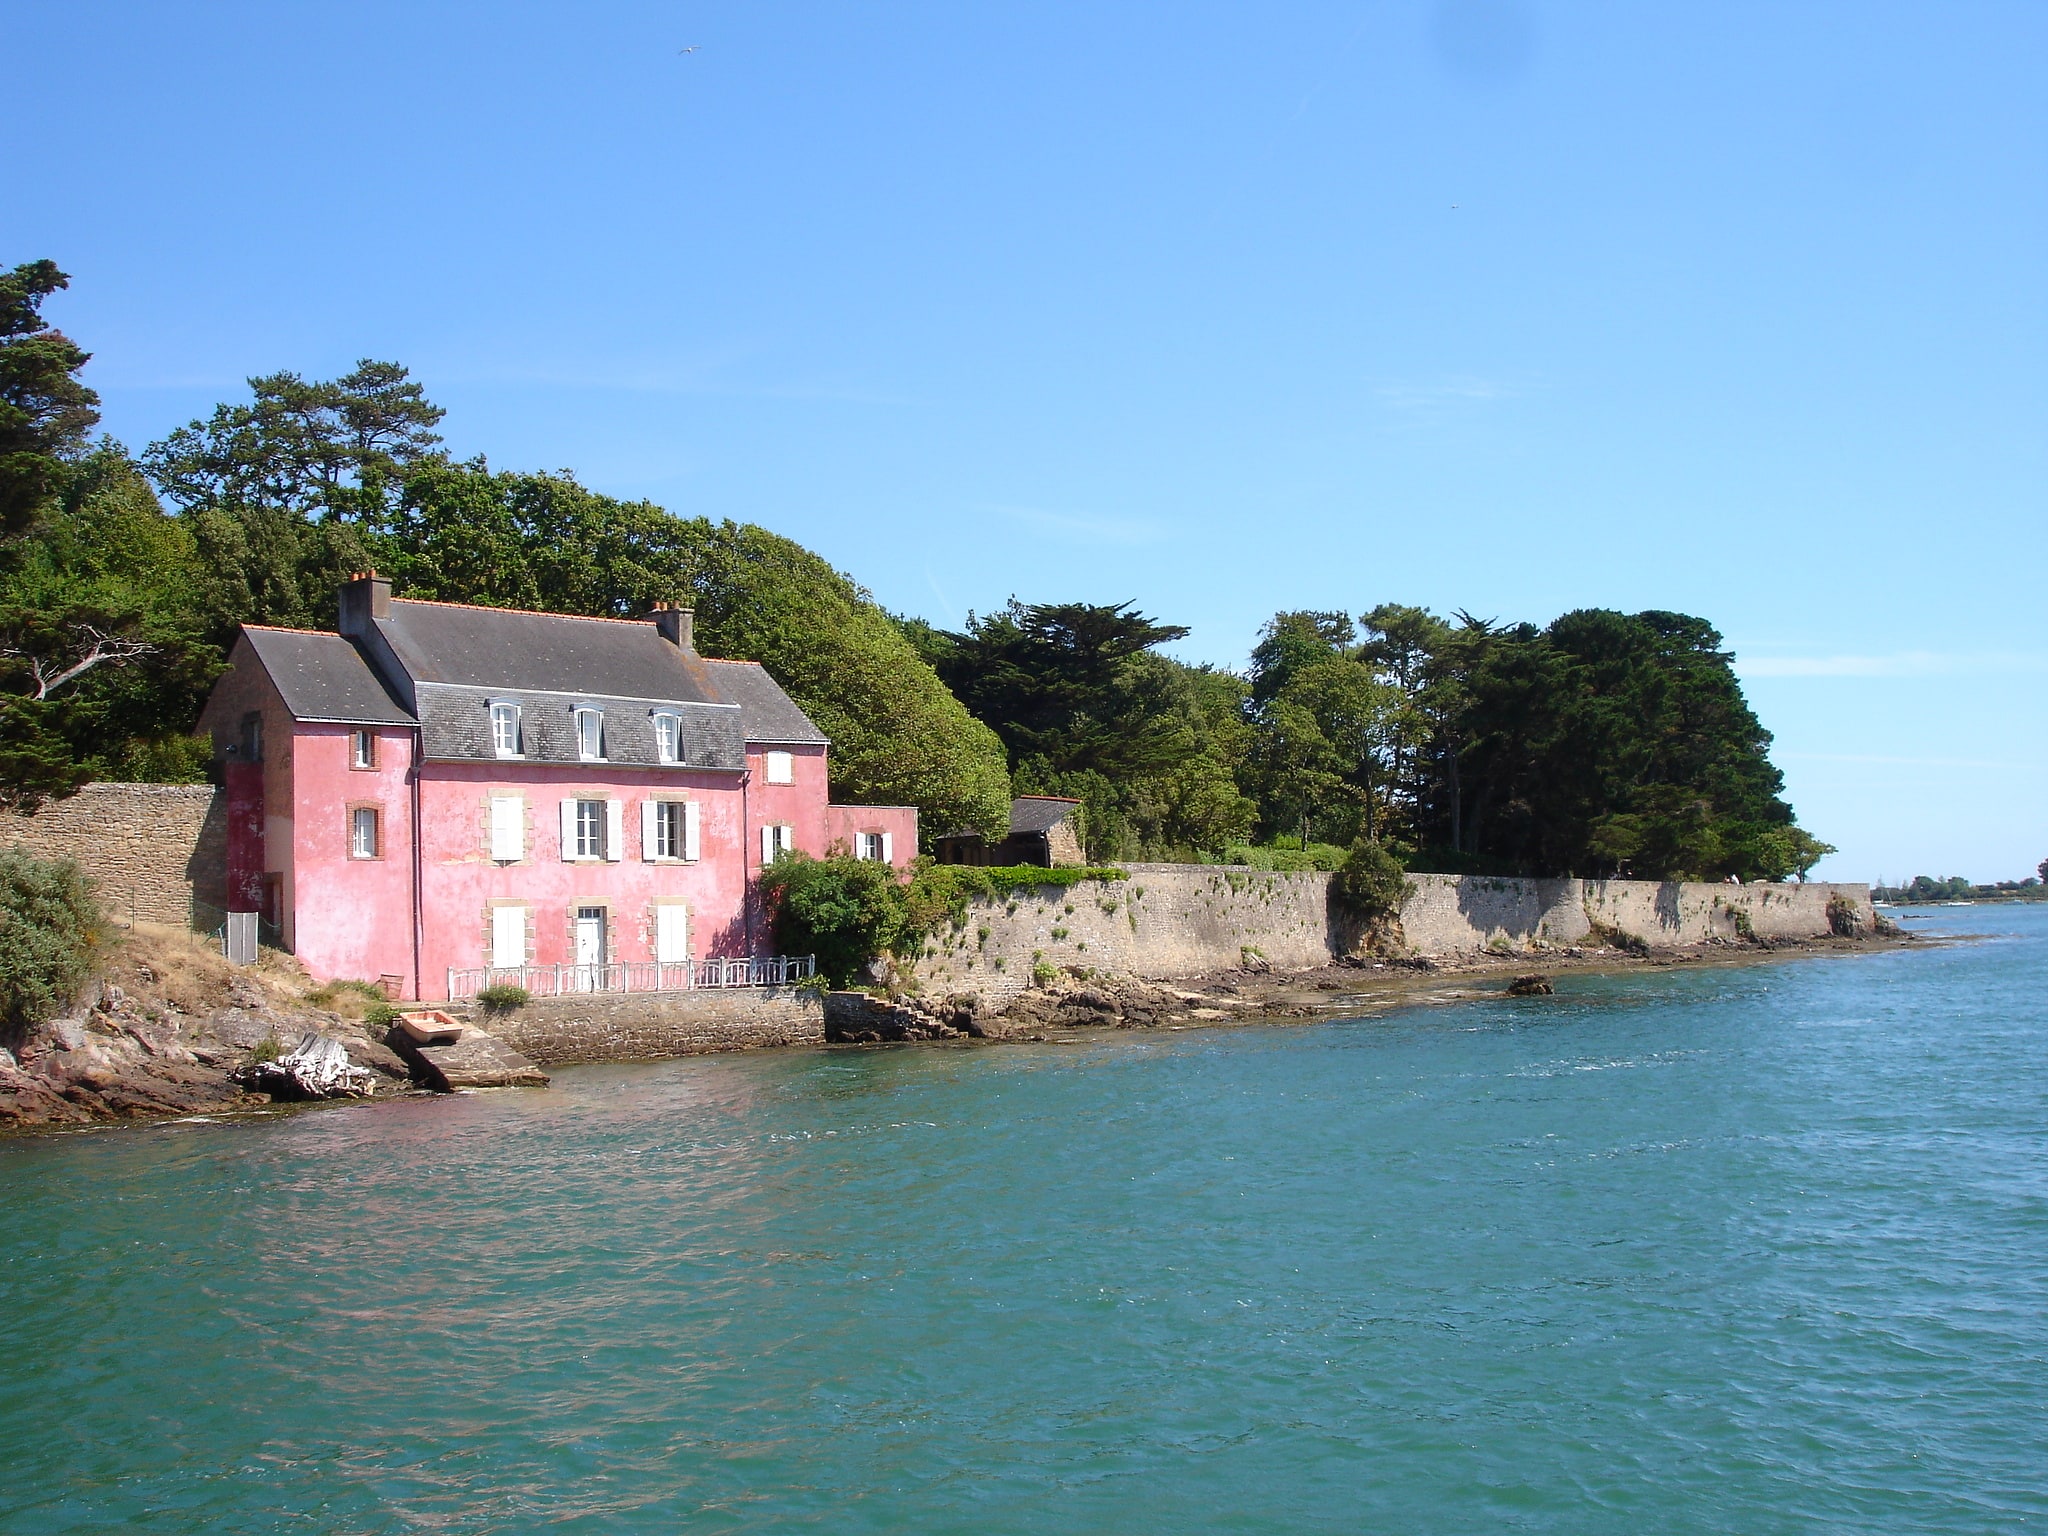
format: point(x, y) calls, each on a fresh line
point(157, 850)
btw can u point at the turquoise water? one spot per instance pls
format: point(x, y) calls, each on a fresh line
point(1748, 1250)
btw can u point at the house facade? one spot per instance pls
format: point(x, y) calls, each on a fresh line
point(440, 796)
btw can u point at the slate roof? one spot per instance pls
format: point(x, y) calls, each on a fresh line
point(542, 653)
point(460, 660)
point(323, 677)
point(1039, 813)
point(771, 715)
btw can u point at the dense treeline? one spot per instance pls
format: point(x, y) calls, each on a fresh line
point(115, 612)
point(1605, 743)
point(1602, 743)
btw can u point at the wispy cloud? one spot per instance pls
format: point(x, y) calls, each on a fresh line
point(1418, 395)
point(1082, 529)
point(1895, 664)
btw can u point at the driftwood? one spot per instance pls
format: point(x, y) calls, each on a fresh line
point(316, 1068)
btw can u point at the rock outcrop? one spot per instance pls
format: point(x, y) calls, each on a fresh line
point(172, 1029)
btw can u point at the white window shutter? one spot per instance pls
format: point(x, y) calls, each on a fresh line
point(568, 831)
point(508, 827)
point(508, 936)
point(671, 933)
point(888, 849)
point(690, 829)
point(614, 830)
point(767, 846)
point(650, 850)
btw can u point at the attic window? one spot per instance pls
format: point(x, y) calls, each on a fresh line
point(590, 735)
point(781, 768)
point(505, 729)
point(668, 738)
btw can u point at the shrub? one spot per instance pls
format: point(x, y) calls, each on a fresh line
point(52, 936)
point(502, 997)
point(266, 1049)
point(1844, 920)
point(380, 1015)
point(844, 910)
point(1372, 882)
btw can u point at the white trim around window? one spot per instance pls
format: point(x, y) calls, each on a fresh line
point(365, 832)
point(589, 733)
point(668, 736)
point(505, 732)
point(778, 767)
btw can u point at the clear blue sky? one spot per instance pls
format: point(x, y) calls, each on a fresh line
point(1506, 305)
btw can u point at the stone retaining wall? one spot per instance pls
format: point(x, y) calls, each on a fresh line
point(1172, 920)
point(157, 850)
point(556, 1031)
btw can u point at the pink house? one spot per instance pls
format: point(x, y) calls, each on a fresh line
point(444, 796)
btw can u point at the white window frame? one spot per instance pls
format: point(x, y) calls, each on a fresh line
point(362, 749)
point(778, 767)
point(359, 818)
point(777, 838)
point(589, 825)
point(507, 828)
point(589, 721)
point(670, 831)
point(506, 740)
point(872, 846)
point(668, 737)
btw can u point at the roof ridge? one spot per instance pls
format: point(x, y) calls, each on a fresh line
point(540, 613)
point(287, 629)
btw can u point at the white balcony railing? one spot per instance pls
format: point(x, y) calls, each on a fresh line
point(634, 976)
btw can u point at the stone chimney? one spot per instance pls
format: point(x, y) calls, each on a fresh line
point(365, 598)
point(677, 625)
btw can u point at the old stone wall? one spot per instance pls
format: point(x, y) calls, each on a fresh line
point(157, 850)
point(556, 1031)
point(1450, 914)
point(1165, 920)
point(1172, 920)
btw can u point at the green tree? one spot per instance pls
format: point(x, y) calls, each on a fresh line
point(46, 413)
point(843, 910)
point(278, 492)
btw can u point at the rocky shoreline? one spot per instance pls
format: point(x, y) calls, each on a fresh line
point(172, 1030)
point(1076, 1000)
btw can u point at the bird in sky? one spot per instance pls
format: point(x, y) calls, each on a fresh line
point(691, 49)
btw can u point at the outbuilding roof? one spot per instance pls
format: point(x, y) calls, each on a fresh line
point(323, 677)
point(1040, 813)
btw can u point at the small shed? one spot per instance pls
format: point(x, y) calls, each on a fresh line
point(1044, 830)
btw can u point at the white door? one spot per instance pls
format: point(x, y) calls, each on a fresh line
point(589, 948)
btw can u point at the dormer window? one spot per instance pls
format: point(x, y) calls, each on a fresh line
point(668, 738)
point(590, 735)
point(505, 730)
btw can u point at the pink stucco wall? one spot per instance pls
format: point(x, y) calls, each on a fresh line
point(350, 917)
point(461, 880)
point(844, 822)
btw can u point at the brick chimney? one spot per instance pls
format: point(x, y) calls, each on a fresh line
point(365, 597)
point(678, 626)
